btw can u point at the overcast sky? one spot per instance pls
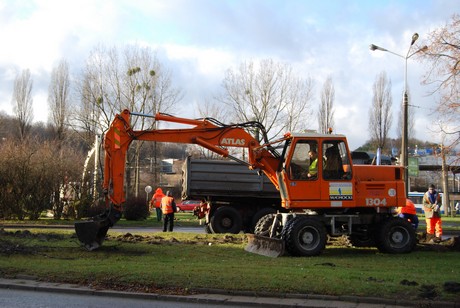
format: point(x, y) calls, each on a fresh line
point(204, 38)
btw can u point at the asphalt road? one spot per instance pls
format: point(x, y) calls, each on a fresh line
point(33, 299)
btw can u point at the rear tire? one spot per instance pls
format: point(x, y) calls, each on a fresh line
point(226, 220)
point(304, 236)
point(396, 235)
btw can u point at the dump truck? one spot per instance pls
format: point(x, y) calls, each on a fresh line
point(322, 195)
point(235, 196)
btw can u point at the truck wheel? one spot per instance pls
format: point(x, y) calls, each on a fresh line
point(226, 220)
point(259, 214)
point(207, 229)
point(396, 235)
point(304, 236)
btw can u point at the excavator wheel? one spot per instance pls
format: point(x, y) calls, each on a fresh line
point(304, 236)
point(264, 225)
point(259, 215)
point(396, 235)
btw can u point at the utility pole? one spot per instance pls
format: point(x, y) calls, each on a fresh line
point(405, 105)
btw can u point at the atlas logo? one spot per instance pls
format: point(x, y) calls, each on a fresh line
point(232, 141)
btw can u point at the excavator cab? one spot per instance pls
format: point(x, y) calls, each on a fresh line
point(312, 176)
point(316, 170)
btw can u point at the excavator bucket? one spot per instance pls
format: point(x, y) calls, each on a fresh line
point(265, 246)
point(91, 233)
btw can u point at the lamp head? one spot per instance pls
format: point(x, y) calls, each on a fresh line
point(375, 47)
point(414, 38)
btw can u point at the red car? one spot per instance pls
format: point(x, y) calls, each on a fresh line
point(187, 205)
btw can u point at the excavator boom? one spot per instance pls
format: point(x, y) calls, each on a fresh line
point(207, 133)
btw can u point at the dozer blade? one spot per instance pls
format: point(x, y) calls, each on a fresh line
point(91, 233)
point(265, 246)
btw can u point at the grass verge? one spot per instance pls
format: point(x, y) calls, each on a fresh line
point(183, 263)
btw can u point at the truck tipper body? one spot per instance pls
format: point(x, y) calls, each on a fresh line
point(243, 195)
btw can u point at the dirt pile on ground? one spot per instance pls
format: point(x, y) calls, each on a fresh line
point(427, 244)
point(158, 240)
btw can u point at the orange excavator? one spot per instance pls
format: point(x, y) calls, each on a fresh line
point(322, 193)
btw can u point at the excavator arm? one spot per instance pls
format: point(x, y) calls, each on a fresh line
point(208, 133)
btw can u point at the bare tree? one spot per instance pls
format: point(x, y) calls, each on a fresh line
point(443, 55)
point(131, 78)
point(326, 109)
point(268, 93)
point(58, 98)
point(22, 102)
point(114, 80)
point(209, 110)
point(380, 117)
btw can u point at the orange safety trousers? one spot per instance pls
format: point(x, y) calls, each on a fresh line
point(434, 225)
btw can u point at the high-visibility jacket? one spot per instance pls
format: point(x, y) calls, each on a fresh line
point(429, 205)
point(167, 205)
point(313, 169)
point(409, 208)
point(156, 198)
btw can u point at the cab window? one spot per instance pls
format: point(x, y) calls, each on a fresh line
point(336, 163)
point(304, 161)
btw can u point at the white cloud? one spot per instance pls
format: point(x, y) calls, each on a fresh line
point(202, 39)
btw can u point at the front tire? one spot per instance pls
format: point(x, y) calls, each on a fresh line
point(264, 225)
point(396, 235)
point(258, 215)
point(304, 236)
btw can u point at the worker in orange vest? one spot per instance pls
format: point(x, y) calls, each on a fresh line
point(409, 213)
point(432, 207)
point(156, 202)
point(168, 206)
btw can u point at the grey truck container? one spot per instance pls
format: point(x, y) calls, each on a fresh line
point(238, 196)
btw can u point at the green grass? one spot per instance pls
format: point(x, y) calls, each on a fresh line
point(180, 263)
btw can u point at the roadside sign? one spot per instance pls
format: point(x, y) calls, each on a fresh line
point(412, 167)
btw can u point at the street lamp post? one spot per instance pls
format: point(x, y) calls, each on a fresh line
point(405, 134)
